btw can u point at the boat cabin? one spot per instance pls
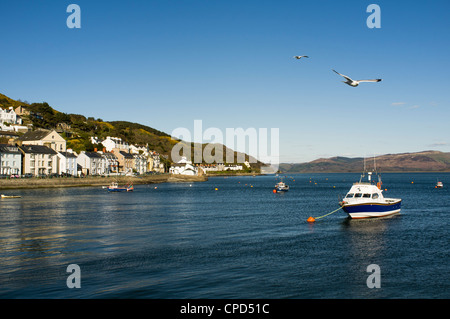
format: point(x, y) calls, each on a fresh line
point(362, 192)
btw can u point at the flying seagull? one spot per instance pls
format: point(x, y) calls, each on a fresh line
point(353, 82)
point(298, 57)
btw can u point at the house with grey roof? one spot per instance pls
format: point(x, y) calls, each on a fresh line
point(92, 163)
point(39, 160)
point(126, 161)
point(47, 138)
point(67, 163)
point(111, 162)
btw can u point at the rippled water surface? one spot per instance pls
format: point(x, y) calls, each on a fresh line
point(239, 241)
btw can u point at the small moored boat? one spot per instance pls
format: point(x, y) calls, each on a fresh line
point(281, 187)
point(439, 185)
point(10, 196)
point(114, 187)
point(366, 200)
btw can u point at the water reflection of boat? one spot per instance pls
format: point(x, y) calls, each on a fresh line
point(114, 187)
point(366, 200)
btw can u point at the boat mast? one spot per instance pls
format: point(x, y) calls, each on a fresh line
point(376, 171)
point(364, 170)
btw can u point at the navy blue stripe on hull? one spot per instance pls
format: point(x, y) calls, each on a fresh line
point(372, 208)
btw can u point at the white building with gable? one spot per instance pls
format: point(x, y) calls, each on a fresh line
point(183, 167)
point(115, 143)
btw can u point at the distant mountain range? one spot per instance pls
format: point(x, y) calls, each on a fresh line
point(426, 161)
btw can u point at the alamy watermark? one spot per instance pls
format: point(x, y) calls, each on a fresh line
point(74, 19)
point(207, 145)
point(74, 279)
point(374, 20)
point(374, 279)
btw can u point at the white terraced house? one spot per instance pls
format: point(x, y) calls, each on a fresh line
point(10, 160)
point(92, 163)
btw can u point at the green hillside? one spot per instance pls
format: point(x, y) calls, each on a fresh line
point(6, 102)
point(78, 129)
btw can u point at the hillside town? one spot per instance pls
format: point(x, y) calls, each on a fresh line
point(43, 153)
point(40, 152)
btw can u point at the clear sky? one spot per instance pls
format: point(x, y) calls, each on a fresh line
point(230, 64)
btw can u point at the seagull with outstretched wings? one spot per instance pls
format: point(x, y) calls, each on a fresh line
point(355, 83)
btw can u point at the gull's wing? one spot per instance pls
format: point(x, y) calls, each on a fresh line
point(376, 80)
point(343, 75)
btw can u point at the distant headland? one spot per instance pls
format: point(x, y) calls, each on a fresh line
point(426, 161)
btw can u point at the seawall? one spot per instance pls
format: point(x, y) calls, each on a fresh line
point(95, 181)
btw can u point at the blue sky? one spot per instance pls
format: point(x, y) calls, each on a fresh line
point(229, 63)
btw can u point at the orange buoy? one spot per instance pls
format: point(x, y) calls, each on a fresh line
point(311, 219)
point(274, 191)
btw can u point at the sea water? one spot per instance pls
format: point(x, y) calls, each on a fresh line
point(229, 237)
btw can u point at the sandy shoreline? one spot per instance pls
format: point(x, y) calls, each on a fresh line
point(95, 181)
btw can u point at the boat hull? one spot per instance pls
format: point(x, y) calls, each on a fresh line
point(372, 210)
point(118, 189)
point(10, 196)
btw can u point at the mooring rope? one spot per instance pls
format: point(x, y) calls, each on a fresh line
point(313, 219)
point(334, 211)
